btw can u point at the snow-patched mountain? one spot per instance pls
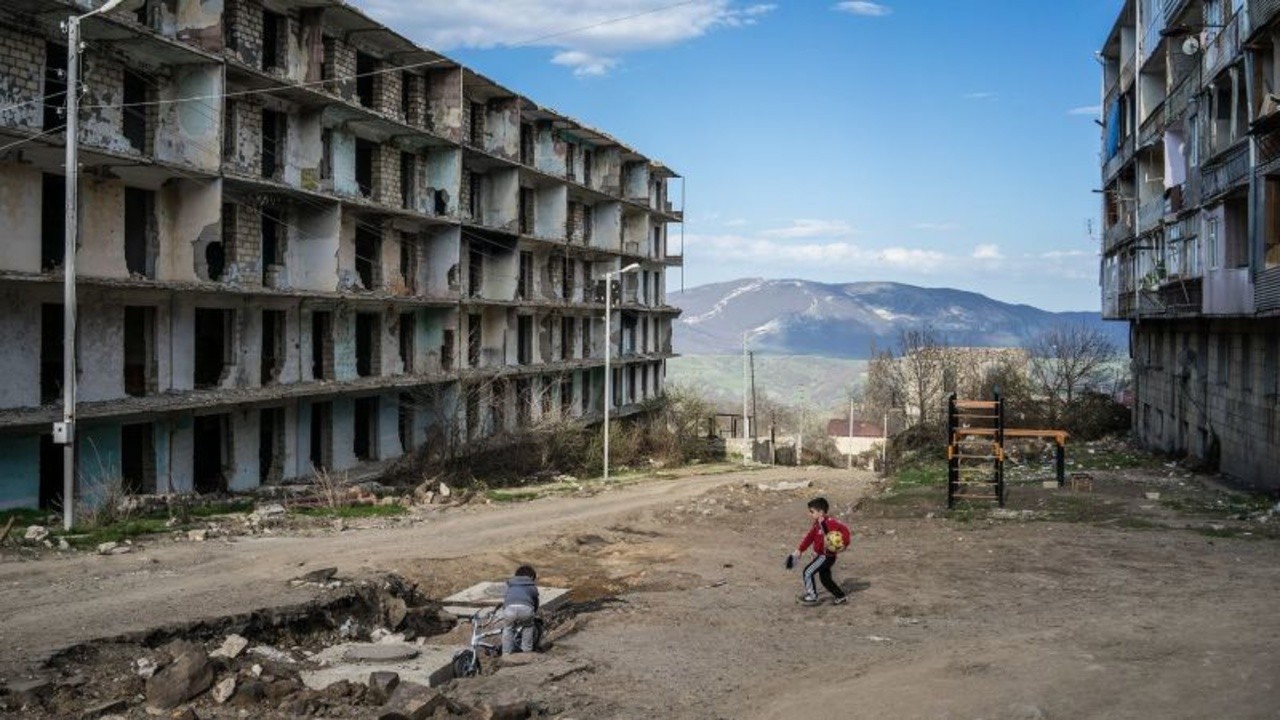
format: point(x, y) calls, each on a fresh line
point(799, 317)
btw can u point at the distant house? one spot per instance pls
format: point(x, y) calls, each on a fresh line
point(865, 436)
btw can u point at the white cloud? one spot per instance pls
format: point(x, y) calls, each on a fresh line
point(736, 222)
point(864, 7)
point(978, 96)
point(589, 36)
point(935, 227)
point(987, 252)
point(807, 228)
point(1094, 110)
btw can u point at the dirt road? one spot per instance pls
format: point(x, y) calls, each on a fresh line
point(1088, 614)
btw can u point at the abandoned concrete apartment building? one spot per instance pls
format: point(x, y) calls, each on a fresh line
point(305, 241)
point(1191, 242)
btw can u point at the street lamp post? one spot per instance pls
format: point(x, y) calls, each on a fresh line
point(608, 352)
point(65, 432)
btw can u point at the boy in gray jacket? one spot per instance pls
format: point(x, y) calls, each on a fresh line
point(518, 608)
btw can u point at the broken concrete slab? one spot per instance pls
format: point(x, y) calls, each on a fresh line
point(379, 652)
point(101, 710)
point(223, 691)
point(783, 486)
point(29, 690)
point(232, 646)
point(410, 701)
point(188, 676)
point(490, 594)
point(382, 684)
point(429, 665)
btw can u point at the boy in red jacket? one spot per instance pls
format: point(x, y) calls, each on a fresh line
point(826, 556)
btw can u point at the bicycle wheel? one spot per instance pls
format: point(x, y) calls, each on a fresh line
point(466, 663)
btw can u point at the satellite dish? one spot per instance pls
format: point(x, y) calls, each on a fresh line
point(1191, 46)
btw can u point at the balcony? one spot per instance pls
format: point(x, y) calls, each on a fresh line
point(1228, 291)
point(1267, 290)
point(1222, 49)
point(1150, 214)
point(1224, 172)
point(1116, 235)
point(1262, 12)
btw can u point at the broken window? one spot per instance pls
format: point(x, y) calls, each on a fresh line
point(321, 345)
point(475, 270)
point(270, 445)
point(408, 329)
point(567, 326)
point(139, 351)
point(1236, 231)
point(366, 66)
point(273, 35)
point(55, 86)
point(524, 278)
point(408, 185)
point(135, 110)
point(473, 340)
point(321, 455)
point(51, 349)
point(213, 350)
point(272, 245)
point(326, 156)
point(53, 221)
point(273, 347)
point(364, 167)
point(273, 133)
point(211, 453)
point(138, 458)
point(139, 252)
point(365, 442)
point(368, 255)
point(406, 421)
point(524, 339)
point(368, 344)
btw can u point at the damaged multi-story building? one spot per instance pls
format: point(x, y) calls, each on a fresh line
point(1191, 239)
point(305, 242)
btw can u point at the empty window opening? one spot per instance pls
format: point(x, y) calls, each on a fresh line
point(272, 245)
point(644, 383)
point(524, 401)
point(475, 271)
point(586, 391)
point(547, 396)
point(51, 471)
point(1236, 232)
point(524, 280)
point(472, 411)
point(407, 83)
point(321, 436)
point(631, 384)
point(210, 454)
point(567, 326)
point(230, 130)
point(586, 337)
point(139, 233)
point(270, 445)
point(135, 110)
point(498, 406)
point(588, 220)
point(139, 351)
point(368, 256)
point(475, 186)
point(446, 351)
point(524, 339)
point(368, 347)
point(406, 422)
point(273, 326)
point(273, 133)
point(409, 262)
point(567, 268)
point(657, 242)
point(364, 167)
point(473, 340)
point(566, 397)
point(408, 329)
point(587, 158)
point(213, 331)
point(366, 65)
point(616, 400)
point(526, 143)
point(321, 345)
point(408, 186)
point(571, 161)
point(326, 156)
point(527, 203)
point(273, 27)
point(366, 429)
point(51, 365)
point(477, 124)
point(55, 86)
point(53, 221)
point(138, 458)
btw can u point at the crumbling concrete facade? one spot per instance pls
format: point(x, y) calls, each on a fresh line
point(304, 244)
point(1191, 230)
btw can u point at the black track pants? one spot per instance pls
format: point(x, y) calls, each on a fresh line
point(821, 566)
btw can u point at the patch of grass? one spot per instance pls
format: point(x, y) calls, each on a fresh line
point(1130, 522)
point(921, 475)
point(222, 508)
point(1108, 458)
point(1081, 509)
point(352, 511)
point(1223, 504)
point(116, 532)
point(1227, 532)
point(23, 517)
point(513, 495)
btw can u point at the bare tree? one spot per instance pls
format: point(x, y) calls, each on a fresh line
point(925, 371)
point(1067, 359)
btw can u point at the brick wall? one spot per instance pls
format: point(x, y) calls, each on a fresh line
point(464, 194)
point(243, 21)
point(340, 68)
point(574, 221)
point(416, 112)
point(386, 92)
point(22, 80)
point(245, 136)
point(103, 126)
point(386, 175)
point(242, 238)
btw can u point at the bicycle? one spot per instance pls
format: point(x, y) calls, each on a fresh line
point(487, 623)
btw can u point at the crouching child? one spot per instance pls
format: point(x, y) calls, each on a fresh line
point(519, 606)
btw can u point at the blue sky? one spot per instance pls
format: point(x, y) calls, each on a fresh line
point(932, 142)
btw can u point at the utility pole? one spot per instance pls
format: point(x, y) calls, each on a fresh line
point(746, 421)
point(850, 431)
point(884, 446)
point(755, 427)
point(66, 434)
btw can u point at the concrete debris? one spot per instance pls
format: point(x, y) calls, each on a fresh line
point(321, 576)
point(380, 653)
point(36, 533)
point(63, 544)
point(113, 548)
point(231, 647)
point(273, 654)
point(29, 691)
point(197, 535)
point(348, 629)
point(185, 714)
point(187, 677)
point(504, 710)
point(145, 667)
point(410, 701)
point(445, 491)
point(1152, 495)
point(256, 670)
point(396, 610)
point(102, 710)
point(784, 486)
point(382, 683)
point(223, 691)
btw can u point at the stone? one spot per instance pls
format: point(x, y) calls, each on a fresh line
point(63, 544)
point(272, 510)
point(1152, 495)
point(231, 647)
point(145, 667)
point(256, 670)
point(36, 533)
point(396, 610)
point(323, 575)
point(197, 535)
point(281, 689)
point(250, 692)
point(410, 701)
point(504, 710)
point(29, 691)
point(784, 486)
point(186, 677)
point(381, 684)
point(185, 714)
point(103, 709)
point(379, 653)
point(445, 491)
point(223, 691)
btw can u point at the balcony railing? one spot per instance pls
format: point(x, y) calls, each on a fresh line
point(1116, 235)
point(1262, 12)
point(1150, 214)
point(1224, 172)
point(1223, 48)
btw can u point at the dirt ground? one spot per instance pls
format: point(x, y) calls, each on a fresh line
point(1099, 602)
